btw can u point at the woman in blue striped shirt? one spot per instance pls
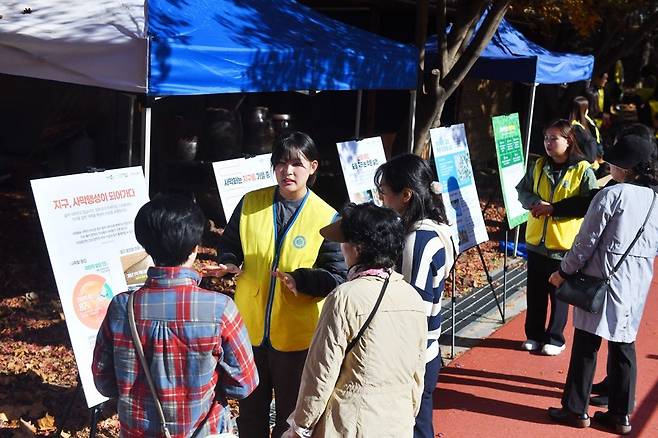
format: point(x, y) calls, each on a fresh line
point(406, 184)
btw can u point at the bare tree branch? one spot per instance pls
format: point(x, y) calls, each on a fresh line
point(472, 52)
point(453, 70)
point(441, 38)
point(422, 7)
point(463, 26)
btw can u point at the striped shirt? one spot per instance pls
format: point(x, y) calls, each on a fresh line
point(425, 265)
point(195, 342)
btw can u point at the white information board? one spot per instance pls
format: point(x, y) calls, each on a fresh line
point(359, 161)
point(87, 221)
point(460, 197)
point(237, 177)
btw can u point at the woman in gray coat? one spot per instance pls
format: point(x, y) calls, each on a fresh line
point(611, 223)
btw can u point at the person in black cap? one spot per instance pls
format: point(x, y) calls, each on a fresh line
point(612, 222)
point(577, 207)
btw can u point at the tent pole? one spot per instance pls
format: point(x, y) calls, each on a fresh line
point(131, 128)
point(528, 132)
point(357, 122)
point(528, 128)
point(412, 120)
point(146, 144)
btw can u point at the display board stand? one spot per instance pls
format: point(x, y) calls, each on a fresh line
point(94, 412)
point(453, 306)
point(491, 285)
point(453, 302)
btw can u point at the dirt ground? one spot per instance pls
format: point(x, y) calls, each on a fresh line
point(37, 369)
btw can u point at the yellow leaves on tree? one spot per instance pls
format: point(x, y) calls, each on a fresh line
point(583, 15)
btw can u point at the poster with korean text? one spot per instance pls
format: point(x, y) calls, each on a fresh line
point(237, 177)
point(460, 197)
point(359, 161)
point(511, 167)
point(87, 222)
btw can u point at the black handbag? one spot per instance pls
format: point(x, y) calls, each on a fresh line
point(584, 291)
point(587, 292)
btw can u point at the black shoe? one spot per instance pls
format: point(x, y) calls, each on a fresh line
point(599, 400)
point(620, 424)
point(565, 416)
point(600, 388)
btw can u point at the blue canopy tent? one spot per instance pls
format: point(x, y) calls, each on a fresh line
point(511, 56)
point(186, 47)
point(227, 46)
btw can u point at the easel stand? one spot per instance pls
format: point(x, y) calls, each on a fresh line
point(491, 285)
point(94, 412)
point(453, 275)
point(453, 306)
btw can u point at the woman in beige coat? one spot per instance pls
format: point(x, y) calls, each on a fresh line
point(374, 389)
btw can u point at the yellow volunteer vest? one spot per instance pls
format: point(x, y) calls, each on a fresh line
point(271, 312)
point(593, 125)
point(555, 233)
point(601, 99)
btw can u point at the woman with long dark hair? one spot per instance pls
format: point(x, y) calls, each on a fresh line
point(585, 130)
point(406, 184)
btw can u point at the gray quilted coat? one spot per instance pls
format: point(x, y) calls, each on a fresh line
point(612, 221)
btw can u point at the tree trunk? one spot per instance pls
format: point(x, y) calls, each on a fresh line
point(428, 113)
point(457, 53)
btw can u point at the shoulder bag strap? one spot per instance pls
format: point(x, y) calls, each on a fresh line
point(637, 236)
point(372, 314)
point(142, 359)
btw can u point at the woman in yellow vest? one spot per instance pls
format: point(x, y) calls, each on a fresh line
point(285, 270)
point(585, 131)
point(562, 173)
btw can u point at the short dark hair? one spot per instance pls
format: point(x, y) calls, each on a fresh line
point(291, 147)
point(169, 227)
point(377, 231)
point(412, 172)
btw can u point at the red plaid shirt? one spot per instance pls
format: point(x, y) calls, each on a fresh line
point(196, 344)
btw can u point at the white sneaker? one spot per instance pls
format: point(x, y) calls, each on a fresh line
point(530, 345)
point(553, 350)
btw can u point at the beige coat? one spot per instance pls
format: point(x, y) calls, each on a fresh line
point(377, 391)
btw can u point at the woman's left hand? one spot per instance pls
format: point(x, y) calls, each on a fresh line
point(556, 279)
point(287, 279)
point(541, 209)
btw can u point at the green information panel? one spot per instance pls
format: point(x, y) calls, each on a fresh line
point(511, 168)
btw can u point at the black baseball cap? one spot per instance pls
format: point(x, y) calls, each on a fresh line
point(629, 151)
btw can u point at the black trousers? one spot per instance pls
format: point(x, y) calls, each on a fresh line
point(538, 294)
point(621, 368)
point(278, 371)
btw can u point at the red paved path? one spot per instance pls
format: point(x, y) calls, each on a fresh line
point(497, 390)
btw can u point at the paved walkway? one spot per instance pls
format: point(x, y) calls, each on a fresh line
point(497, 390)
